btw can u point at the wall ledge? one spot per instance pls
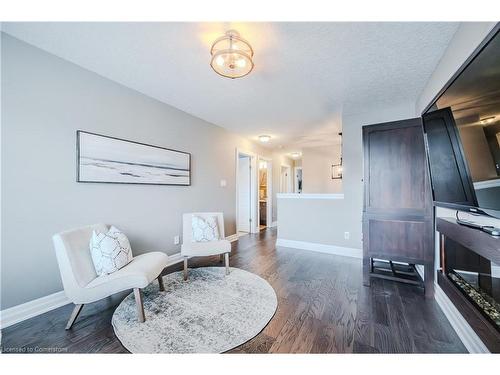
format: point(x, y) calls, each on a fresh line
point(309, 196)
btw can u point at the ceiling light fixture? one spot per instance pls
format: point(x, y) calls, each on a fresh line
point(231, 55)
point(264, 138)
point(295, 154)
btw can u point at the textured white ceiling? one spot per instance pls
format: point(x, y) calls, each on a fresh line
point(305, 76)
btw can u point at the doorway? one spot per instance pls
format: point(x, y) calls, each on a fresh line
point(244, 193)
point(285, 179)
point(265, 193)
point(247, 192)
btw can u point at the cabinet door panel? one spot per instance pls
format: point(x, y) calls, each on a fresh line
point(397, 239)
point(396, 169)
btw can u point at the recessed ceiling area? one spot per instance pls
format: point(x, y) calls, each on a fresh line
point(306, 75)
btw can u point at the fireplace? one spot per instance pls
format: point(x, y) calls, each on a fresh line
point(476, 278)
point(470, 276)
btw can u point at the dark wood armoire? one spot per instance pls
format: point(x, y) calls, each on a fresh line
point(398, 225)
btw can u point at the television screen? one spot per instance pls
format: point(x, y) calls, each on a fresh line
point(462, 133)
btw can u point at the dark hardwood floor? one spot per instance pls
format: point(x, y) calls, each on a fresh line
point(322, 308)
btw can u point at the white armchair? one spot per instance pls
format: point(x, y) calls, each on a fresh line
point(80, 281)
point(189, 248)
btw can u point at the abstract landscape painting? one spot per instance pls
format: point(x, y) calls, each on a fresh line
point(113, 160)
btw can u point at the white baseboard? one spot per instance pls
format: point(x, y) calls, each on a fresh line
point(464, 331)
point(232, 237)
point(321, 248)
point(421, 271)
point(174, 259)
point(33, 308)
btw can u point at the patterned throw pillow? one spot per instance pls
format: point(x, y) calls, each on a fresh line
point(205, 229)
point(110, 251)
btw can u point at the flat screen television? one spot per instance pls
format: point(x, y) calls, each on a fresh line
point(462, 134)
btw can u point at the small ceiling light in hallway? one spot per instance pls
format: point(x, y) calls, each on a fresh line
point(231, 55)
point(264, 138)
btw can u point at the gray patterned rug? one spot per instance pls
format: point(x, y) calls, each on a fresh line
point(210, 313)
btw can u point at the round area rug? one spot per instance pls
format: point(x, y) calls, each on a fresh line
point(209, 313)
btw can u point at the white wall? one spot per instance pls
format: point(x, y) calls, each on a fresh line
point(45, 99)
point(317, 170)
point(318, 221)
point(467, 37)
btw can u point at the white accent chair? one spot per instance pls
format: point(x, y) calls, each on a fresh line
point(80, 281)
point(189, 248)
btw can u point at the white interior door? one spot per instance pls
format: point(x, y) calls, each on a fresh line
point(285, 179)
point(244, 197)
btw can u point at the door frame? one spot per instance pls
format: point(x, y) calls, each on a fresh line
point(269, 203)
point(254, 191)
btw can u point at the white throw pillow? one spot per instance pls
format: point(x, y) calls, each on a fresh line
point(205, 229)
point(110, 251)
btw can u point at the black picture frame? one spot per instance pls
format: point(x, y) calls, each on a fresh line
point(79, 179)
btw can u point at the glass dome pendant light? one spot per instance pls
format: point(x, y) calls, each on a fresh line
point(231, 55)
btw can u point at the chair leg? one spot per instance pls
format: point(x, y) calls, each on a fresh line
point(74, 315)
point(160, 283)
point(185, 268)
point(226, 255)
point(140, 307)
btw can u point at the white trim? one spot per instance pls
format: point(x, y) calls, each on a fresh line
point(464, 331)
point(487, 184)
point(174, 259)
point(232, 237)
point(420, 270)
point(321, 248)
point(309, 196)
point(33, 308)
